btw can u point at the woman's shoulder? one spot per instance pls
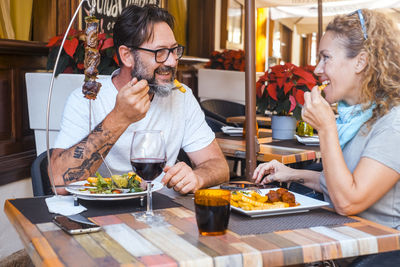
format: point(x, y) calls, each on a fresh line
point(390, 120)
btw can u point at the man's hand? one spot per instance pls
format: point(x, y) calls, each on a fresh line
point(181, 178)
point(133, 101)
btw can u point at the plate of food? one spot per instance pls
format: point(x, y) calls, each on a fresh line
point(272, 201)
point(116, 187)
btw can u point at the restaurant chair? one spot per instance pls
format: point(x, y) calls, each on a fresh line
point(216, 127)
point(40, 179)
point(183, 157)
point(222, 109)
point(385, 259)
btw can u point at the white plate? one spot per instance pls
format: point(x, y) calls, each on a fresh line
point(232, 131)
point(308, 140)
point(88, 196)
point(306, 204)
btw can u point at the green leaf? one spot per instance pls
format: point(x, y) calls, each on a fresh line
point(110, 52)
point(262, 105)
point(108, 70)
point(79, 55)
point(104, 63)
point(286, 105)
point(51, 59)
point(297, 112)
point(279, 108)
point(63, 63)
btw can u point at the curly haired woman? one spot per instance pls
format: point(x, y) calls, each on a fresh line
point(360, 59)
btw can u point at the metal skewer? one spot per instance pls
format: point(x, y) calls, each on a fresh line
point(49, 98)
point(90, 129)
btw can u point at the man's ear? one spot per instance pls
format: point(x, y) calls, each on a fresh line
point(126, 56)
point(362, 61)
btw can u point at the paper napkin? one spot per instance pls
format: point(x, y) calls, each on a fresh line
point(63, 205)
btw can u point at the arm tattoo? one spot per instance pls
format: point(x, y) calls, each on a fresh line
point(75, 173)
point(78, 153)
point(98, 128)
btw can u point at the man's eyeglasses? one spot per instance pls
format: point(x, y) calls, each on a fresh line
point(161, 55)
point(362, 22)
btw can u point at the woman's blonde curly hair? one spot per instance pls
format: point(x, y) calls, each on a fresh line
point(381, 83)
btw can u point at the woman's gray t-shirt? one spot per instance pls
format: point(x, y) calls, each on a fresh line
point(381, 143)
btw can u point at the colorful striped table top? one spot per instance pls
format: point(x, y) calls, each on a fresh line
point(127, 242)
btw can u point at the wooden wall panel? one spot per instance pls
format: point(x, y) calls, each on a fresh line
point(201, 28)
point(17, 145)
point(44, 19)
point(286, 43)
point(5, 107)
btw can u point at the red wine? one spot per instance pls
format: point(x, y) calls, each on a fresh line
point(212, 220)
point(148, 169)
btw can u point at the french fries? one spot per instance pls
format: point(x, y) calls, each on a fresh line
point(179, 86)
point(254, 201)
point(323, 85)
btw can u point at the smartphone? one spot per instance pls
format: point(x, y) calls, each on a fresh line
point(75, 226)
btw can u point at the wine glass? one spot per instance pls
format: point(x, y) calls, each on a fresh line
point(148, 159)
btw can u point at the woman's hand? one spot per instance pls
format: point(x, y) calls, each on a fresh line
point(317, 112)
point(274, 171)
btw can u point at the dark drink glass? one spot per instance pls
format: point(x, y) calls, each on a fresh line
point(212, 208)
point(148, 158)
point(149, 169)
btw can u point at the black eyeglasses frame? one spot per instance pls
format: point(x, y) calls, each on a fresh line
point(170, 50)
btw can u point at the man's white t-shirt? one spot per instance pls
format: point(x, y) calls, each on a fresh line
point(179, 116)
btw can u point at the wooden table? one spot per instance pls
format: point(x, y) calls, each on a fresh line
point(262, 121)
point(287, 152)
point(127, 242)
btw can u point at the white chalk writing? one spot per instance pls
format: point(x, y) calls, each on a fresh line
point(108, 10)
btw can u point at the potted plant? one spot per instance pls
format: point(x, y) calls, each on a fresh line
point(223, 76)
point(73, 54)
point(281, 91)
point(227, 60)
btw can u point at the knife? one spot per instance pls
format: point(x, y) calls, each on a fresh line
point(246, 185)
point(75, 186)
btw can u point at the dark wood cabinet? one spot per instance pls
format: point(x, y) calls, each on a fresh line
point(17, 144)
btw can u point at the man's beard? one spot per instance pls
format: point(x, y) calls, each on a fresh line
point(140, 72)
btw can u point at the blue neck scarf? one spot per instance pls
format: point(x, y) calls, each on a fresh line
point(350, 120)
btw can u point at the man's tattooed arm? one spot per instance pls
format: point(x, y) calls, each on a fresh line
point(83, 159)
point(76, 173)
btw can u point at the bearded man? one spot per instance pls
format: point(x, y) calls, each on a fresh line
point(141, 95)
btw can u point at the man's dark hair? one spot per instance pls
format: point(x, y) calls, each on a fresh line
point(135, 25)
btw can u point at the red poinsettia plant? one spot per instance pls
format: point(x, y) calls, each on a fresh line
point(281, 89)
point(227, 60)
point(73, 54)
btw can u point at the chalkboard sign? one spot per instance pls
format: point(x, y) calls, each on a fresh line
point(108, 10)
